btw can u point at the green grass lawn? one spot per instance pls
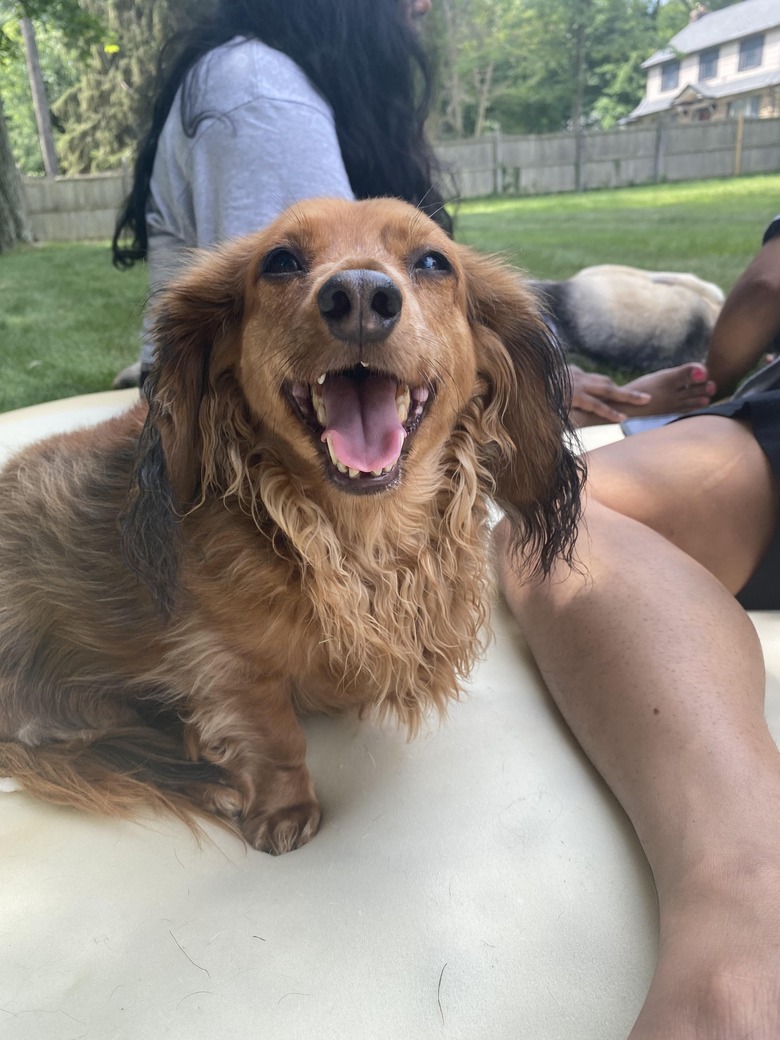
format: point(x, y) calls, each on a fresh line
point(710, 228)
point(69, 321)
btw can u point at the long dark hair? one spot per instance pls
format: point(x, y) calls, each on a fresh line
point(363, 56)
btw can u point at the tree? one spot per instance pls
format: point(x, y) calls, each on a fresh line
point(40, 99)
point(106, 110)
point(580, 51)
point(616, 77)
point(77, 25)
point(472, 42)
point(675, 14)
point(13, 217)
point(60, 68)
point(531, 66)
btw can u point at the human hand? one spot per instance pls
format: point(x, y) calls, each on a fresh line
point(593, 396)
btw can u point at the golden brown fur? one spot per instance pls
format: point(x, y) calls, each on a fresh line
point(180, 582)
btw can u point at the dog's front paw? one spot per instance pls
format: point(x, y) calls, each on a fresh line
point(283, 830)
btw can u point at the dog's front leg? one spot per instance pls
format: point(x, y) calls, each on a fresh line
point(256, 738)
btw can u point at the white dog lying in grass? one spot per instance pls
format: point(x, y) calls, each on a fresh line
point(631, 319)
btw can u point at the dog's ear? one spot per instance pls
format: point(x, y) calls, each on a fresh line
point(196, 318)
point(196, 323)
point(524, 413)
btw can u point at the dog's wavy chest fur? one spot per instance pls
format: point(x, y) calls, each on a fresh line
point(391, 622)
point(296, 520)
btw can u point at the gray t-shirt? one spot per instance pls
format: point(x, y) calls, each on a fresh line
point(267, 139)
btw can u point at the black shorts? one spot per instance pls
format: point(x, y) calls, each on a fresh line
point(762, 413)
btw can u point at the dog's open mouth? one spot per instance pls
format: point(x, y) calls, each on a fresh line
point(362, 421)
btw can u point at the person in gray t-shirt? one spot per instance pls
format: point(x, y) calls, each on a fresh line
point(262, 104)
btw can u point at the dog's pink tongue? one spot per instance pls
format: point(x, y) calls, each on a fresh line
point(363, 426)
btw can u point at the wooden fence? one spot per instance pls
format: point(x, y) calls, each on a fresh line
point(72, 208)
point(548, 163)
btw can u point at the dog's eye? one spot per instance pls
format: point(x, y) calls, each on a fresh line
point(281, 261)
point(432, 262)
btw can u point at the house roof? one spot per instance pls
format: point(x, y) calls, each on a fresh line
point(714, 90)
point(730, 23)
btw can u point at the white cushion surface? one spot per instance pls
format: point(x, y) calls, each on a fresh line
point(476, 882)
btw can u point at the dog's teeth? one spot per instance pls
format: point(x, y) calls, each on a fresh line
point(318, 405)
point(402, 401)
point(387, 469)
point(364, 364)
point(377, 472)
point(321, 379)
point(353, 473)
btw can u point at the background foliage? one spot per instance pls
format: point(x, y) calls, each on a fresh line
point(99, 59)
point(528, 66)
point(117, 77)
point(535, 66)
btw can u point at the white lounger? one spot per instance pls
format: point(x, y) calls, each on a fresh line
point(477, 882)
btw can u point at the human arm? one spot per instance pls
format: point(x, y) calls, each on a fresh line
point(251, 164)
point(247, 135)
point(749, 320)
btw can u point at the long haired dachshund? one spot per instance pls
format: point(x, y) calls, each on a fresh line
point(296, 520)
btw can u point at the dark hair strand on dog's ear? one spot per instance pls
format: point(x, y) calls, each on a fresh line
point(195, 316)
point(546, 530)
point(538, 478)
point(149, 534)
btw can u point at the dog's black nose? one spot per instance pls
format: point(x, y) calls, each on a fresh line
point(360, 306)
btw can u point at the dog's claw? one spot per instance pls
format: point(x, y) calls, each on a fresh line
point(284, 830)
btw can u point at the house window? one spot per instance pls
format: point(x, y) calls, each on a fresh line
point(708, 63)
point(749, 106)
point(670, 75)
point(751, 52)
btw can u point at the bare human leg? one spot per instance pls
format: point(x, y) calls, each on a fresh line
point(659, 674)
point(704, 484)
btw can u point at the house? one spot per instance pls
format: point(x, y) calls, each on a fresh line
point(722, 64)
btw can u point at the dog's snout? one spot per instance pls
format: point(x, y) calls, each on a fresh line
point(360, 305)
